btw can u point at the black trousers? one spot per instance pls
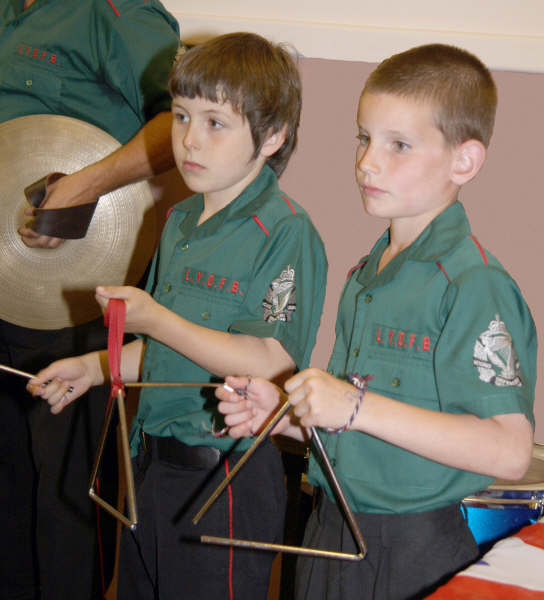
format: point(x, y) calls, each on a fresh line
point(50, 548)
point(164, 558)
point(408, 555)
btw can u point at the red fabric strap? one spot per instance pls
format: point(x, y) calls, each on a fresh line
point(114, 319)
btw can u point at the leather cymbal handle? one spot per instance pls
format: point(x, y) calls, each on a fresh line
point(68, 223)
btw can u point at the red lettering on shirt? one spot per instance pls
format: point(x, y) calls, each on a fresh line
point(426, 344)
point(412, 340)
point(378, 339)
point(391, 336)
point(211, 281)
point(400, 339)
point(37, 53)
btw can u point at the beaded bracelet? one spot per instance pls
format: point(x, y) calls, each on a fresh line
point(361, 383)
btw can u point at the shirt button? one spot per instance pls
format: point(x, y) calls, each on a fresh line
point(185, 246)
point(167, 287)
point(368, 298)
point(395, 382)
point(356, 352)
point(205, 316)
point(28, 83)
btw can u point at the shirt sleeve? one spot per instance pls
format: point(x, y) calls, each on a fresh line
point(485, 361)
point(287, 289)
point(137, 50)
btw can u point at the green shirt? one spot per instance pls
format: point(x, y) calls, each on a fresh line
point(106, 64)
point(236, 272)
point(443, 327)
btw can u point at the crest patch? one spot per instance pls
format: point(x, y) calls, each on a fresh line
point(280, 300)
point(494, 356)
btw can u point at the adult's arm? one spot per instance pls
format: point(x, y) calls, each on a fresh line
point(147, 154)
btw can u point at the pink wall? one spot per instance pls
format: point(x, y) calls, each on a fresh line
point(502, 202)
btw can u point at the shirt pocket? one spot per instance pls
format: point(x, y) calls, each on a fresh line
point(412, 382)
point(206, 308)
point(25, 78)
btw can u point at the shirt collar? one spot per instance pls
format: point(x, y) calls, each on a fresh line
point(442, 234)
point(255, 195)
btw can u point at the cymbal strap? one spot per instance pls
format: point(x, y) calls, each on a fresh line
point(69, 223)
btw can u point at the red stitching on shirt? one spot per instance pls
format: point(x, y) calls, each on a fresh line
point(168, 212)
point(360, 266)
point(114, 9)
point(259, 223)
point(480, 249)
point(288, 203)
point(443, 270)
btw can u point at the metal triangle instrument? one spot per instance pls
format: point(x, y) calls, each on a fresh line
point(130, 520)
point(335, 485)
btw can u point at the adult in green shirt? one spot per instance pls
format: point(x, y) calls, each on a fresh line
point(106, 63)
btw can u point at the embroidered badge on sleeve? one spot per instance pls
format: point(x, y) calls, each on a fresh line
point(495, 357)
point(280, 300)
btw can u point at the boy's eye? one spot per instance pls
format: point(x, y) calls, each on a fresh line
point(215, 124)
point(401, 146)
point(181, 117)
point(363, 138)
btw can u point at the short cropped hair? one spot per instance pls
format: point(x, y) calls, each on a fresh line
point(455, 82)
point(259, 79)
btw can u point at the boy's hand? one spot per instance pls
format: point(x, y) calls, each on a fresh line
point(321, 400)
point(62, 382)
point(141, 309)
point(249, 406)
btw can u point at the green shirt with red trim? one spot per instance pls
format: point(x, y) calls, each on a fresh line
point(443, 327)
point(105, 62)
point(257, 267)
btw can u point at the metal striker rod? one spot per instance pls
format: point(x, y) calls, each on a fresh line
point(142, 384)
point(16, 372)
point(134, 384)
point(269, 426)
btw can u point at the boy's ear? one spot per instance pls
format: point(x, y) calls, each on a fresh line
point(273, 142)
point(467, 161)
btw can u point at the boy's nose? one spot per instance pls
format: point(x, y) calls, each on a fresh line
point(190, 138)
point(366, 160)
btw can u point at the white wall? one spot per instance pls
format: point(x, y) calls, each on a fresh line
point(505, 34)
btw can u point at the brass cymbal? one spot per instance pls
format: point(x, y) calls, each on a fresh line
point(54, 288)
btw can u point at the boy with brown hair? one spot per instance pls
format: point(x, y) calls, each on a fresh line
point(220, 299)
point(430, 386)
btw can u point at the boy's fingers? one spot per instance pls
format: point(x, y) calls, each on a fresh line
point(111, 291)
point(235, 383)
point(237, 418)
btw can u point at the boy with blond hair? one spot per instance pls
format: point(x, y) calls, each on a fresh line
point(237, 285)
point(430, 386)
